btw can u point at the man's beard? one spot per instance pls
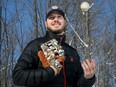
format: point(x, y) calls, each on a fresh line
point(57, 32)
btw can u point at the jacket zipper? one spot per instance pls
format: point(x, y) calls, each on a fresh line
point(64, 72)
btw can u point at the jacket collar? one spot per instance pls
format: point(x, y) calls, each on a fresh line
point(59, 38)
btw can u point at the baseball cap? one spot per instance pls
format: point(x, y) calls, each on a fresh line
point(55, 8)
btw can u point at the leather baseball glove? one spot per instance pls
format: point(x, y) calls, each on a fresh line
point(52, 54)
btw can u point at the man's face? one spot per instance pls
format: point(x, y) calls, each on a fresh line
point(55, 22)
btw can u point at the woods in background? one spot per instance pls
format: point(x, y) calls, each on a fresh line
point(23, 20)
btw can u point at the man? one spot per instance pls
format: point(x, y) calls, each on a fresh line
point(34, 69)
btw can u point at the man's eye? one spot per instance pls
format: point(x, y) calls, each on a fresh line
point(59, 16)
point(51, 17)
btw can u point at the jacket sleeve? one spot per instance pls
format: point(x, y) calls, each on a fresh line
point(27, 73)
point(82, 81)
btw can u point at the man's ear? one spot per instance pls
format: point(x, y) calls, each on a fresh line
point(46, 23)
point(65, 22)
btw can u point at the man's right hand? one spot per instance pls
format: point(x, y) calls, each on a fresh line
point(54, 62)
point(55, 70)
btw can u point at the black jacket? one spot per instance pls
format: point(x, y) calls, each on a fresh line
point(29, 71)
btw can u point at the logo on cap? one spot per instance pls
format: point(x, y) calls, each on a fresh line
point(54, 7)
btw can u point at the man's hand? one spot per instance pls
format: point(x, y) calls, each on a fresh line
point(54, 63)
point(89, 68)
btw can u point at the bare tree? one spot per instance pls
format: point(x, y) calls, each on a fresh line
point(16, 33)
point(0, 36)
point(35, 18)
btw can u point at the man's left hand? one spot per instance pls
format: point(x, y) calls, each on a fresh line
point(89, 68)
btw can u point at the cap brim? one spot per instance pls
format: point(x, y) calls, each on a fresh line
point(57, 10)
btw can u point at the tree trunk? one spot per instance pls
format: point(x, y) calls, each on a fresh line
point(87, 35)
point(0, 36)
point(35, 18)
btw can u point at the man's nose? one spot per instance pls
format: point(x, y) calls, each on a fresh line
point(56, 19)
